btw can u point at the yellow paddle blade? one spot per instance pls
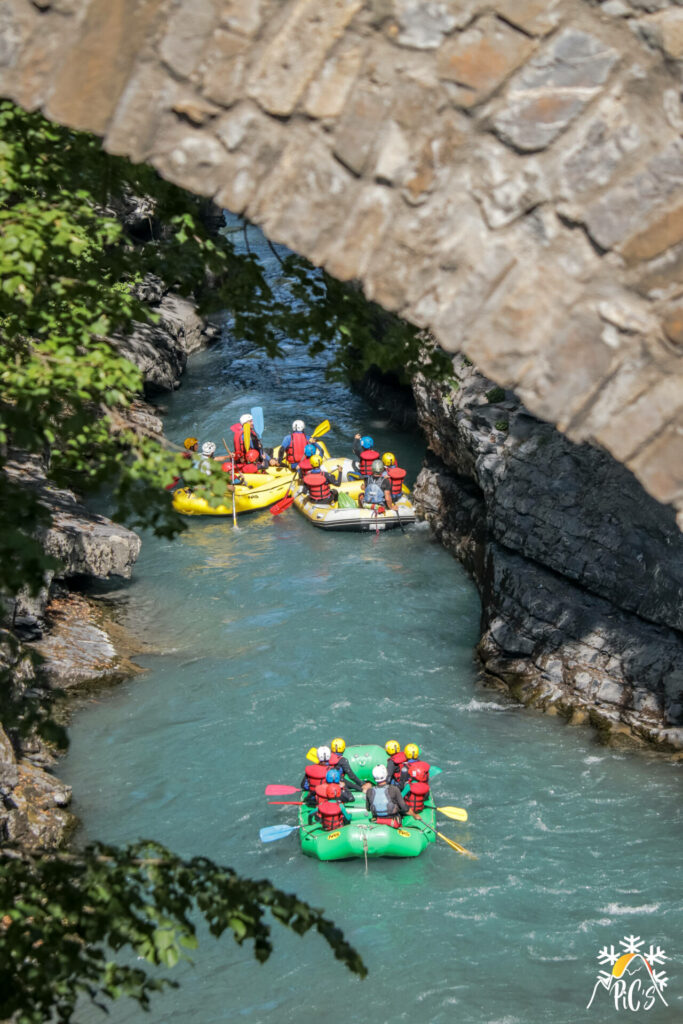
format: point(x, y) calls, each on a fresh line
point(455, 813)
point(312, 755)
point(321, 429)
point(456, 846)
point(246, 431)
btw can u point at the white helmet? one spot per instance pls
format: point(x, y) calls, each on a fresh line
point(324, 753)
point(379, 773)
point(298, 426)
point(247, 418)
point(208, 448)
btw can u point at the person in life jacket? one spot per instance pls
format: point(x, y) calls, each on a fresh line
point(190, 444)
point(314, 776)
point(412, 752)
point(305, 466)
point(396, 764)
point(332, 815)
point(208, 455)
point(365, 455)
point(373, 493)
point(294, 446)
point(384, 800)
point(393, 477)
point(333, 788)
point(245, 438)
point(334, 757)
point(416, 795)
point(317, 483)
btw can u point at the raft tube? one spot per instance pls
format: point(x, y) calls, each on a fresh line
point(263, 489)
point(362, 837)
point(332, 517)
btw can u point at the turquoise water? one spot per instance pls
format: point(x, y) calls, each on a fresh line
point(276, 637)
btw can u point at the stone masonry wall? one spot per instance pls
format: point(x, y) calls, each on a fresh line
point(508, 173)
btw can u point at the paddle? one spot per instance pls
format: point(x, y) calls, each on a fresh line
point(454, 813)
point(456, 846)
point(273, 832)
point(281, 505)
point(398, 516)
point(275, 790)
point(257, 414)
point(322, 429)
point(289, 803)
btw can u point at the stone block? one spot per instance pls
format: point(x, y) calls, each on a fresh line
point(481, 58)
point(290, 61)
point(222, 68)
point(673, 323)
point(642, 415)
point(642, 215)
point(422, 26)
point(100, 62)
point(607, 143)
point(137, 117)
point(505, 187)
point(537, 17)
point(189, 28)
point(664, 30)
point(553, 89)
point(329, 91)
point(659, 466)
point(356, 135)
point(361, 233)
point(243, 16)
point(190, 157)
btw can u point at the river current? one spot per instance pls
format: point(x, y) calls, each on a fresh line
point(275, 637)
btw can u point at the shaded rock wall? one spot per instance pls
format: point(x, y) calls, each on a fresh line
point(580, 571)
point(508, 173)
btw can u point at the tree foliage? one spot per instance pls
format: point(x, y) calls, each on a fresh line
point(62, 917)
point(68, 272)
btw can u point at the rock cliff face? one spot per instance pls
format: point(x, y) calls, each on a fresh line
point(60, 637)
point(580, 571)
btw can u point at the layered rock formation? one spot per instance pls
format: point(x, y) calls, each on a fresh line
point(507, 173)
point(580, 571)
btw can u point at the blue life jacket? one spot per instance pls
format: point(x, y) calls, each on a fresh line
point(374, 495)
point(380, 802)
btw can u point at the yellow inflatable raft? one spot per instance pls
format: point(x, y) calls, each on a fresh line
point(262, 490)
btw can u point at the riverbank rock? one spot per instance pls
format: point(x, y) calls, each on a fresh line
point(160, 350)
point(580, 571)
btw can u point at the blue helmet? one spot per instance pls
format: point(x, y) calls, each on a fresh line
point(333, 775)
point(366, 442)
point(309, 450)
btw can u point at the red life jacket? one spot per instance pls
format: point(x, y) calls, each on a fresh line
point(238, 442)
point(318, 487)
point(397, 476)
point(305, 465)
point(367, 457)
point(419, 791)
point(315, 773)
point(246, 467)
point(394, 822)
point(328, 791)
point(399, 760)
point(295, 448)
point(334, 760)
point(330, 815)
point(419, 770)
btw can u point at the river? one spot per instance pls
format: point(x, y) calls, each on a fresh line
point(275, 637)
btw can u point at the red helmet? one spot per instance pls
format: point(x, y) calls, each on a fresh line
point(252, 455)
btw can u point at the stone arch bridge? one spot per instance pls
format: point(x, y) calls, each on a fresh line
point(508, 173)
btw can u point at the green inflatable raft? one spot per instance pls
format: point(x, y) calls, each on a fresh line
point(362, 837)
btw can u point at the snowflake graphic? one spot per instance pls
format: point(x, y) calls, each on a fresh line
point(608, 956)
point(631, 943)
point(656, 956)
point(660, 979)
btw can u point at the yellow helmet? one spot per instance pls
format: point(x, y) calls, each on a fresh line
point(392, 747)
point(315, 461)
point(389, 459)
point(190, 442)
point(338, 746)
point(412, 751)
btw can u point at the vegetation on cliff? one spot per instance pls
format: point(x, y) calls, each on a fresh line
point(68, 281)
